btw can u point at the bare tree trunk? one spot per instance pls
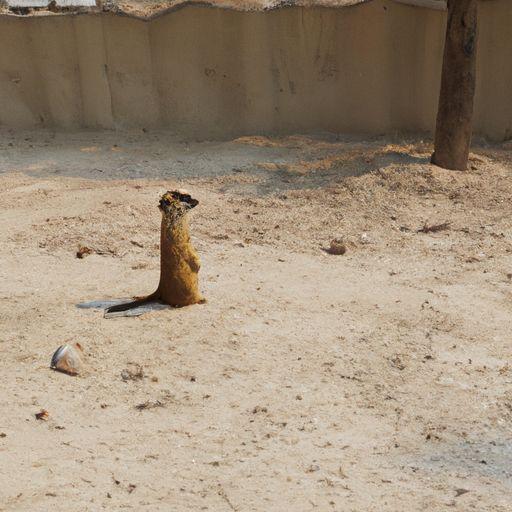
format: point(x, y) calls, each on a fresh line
point(455, 112)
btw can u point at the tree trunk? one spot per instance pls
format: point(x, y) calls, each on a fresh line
point(455, 112)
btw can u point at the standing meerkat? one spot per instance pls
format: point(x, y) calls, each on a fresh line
point(179, 262)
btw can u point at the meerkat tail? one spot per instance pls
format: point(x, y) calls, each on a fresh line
point(118, 308)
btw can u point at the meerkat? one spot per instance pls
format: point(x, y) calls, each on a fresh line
point(179, 262)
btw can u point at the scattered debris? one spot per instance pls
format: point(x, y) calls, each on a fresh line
point(504, 369)
point(258, 409)
point(351, 377)
point(434, 228)
point(337, 247)
point(397, 363)
point(137, 373)
point(148, 404)
point(154, 404)
point(83, 251)
point(225, 497)
point(365, 239)
point(67, 359)
point(42, 415)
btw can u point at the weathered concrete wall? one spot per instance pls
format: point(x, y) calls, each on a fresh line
point(208, 72)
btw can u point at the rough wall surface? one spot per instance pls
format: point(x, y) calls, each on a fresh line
point(214, 73)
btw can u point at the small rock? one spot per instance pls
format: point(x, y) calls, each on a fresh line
point(42, 415)
point(67, 359)
point(83, 251)
point(397, 363)
point(365, 239)
point(337, 247)
point(134, 373)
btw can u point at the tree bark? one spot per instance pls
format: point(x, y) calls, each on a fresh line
point(455, 111)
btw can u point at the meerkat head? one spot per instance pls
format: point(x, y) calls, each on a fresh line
point(174, 204)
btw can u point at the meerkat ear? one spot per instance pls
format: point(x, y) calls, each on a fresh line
point(191, 203)
point(188, 201)
point(184, 198)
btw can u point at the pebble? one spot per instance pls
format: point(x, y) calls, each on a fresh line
point(337, 247)
point(67, 359)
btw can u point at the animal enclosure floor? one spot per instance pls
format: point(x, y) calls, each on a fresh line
point(379, 380)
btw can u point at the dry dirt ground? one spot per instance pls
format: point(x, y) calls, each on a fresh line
point(379, 380)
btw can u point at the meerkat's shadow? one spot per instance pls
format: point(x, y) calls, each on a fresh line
point(136, 311)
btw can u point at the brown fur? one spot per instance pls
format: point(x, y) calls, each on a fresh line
point(179, 262)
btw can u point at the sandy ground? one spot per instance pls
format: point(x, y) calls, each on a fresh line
point(374, 381)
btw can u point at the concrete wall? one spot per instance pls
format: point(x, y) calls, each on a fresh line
point(215, 73)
